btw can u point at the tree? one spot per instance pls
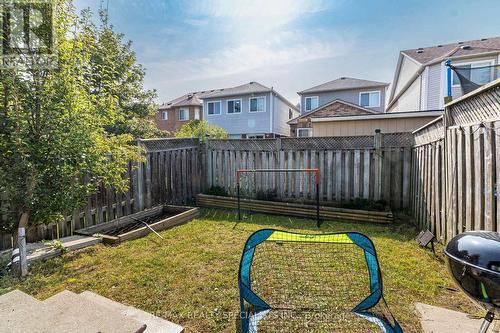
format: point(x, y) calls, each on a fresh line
point(201, 129)
point(115, 80)
point(60, 139)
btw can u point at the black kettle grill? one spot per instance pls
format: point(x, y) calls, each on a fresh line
point(474, 263)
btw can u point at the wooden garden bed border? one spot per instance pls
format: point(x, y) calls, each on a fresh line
point(184, 215)
point(295, 209)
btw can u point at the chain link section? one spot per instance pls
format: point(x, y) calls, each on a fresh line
point(168, 144)
point(398, 140)
point(244, 144)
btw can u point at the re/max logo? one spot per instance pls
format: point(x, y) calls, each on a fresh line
point(27, 27)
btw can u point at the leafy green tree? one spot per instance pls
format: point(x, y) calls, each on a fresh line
point(60, 138)
point(201, 129)
point(116, 81)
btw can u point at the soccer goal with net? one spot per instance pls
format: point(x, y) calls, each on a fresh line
point(291, 282)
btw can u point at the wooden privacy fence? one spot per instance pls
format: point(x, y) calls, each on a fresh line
point(171, 174)
point(372, 167)
point(456, 166)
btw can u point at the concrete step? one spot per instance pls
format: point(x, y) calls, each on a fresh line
point(69, 312)
point(15, 307)
point(154, 324)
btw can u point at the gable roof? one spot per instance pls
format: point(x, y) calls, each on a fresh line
point(244, 89)
point(336, 108)
point(343, 83)
point(433, 54)
point(191, 99)
point(426, 56)
point(250, 88)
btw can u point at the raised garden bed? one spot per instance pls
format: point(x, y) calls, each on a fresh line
point(132, 226)
point(295, 209)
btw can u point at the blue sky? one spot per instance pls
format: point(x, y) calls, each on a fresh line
point(288, 44)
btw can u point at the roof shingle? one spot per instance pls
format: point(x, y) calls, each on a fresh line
point(428, 55)
point(343, 83)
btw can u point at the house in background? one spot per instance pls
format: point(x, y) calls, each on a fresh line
point(342, 97)
point(366, 124)
point(365, 93)
point(420, 78)
point(172, 115)
point(250, 110)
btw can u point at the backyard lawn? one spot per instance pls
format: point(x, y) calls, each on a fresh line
point(190, 277)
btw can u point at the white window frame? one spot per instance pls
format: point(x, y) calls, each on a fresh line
point(196, 114)
point(250, 103)
point(309, 130)
point(214, 114)
point(471, 63)
point(305, 103)
point(163, 114)
point(180, 112)
point(370, 92)
point(234, 100)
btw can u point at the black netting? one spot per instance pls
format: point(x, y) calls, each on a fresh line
point(312, 287)
point(471, 78)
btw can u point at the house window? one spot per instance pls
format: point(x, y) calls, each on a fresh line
point(164, 115)
point(475, 73)
point(290, 114)
point(304, 132)
point(311, 103)
point(183, 114)
point(197, 114)
point(370, 99)
point(255, 136)
point(234, 106)
point(213, 108)
point(257, 104)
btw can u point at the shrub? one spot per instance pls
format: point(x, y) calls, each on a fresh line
point(217, 190)
point(267, 195)
point(365, 204)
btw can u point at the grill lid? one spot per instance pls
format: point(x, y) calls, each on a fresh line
point(480, 249)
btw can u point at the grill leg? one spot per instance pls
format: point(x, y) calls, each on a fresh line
point(486, 323)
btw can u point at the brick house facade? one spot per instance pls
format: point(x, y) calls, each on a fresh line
point(171, 116)
point(174, 121)
point(337, 108)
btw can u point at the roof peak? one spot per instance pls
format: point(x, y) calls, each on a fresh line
point(343, 83)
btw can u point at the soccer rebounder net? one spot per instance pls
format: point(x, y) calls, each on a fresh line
point(314, 172)
point(291, 282)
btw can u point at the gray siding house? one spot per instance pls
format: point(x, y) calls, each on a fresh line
point(420, 79)
point(365, 93)
point(251, 110)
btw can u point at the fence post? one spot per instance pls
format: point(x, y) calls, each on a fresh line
point(378, 157)
point(138, 180)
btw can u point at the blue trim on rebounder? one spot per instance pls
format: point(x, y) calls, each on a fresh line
point(362, 309)
point(262, 308)
point(246, 292)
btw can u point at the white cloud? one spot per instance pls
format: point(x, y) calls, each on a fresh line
point(275, 12)
point(285, 48)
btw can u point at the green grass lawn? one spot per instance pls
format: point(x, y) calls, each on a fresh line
point(190, 277)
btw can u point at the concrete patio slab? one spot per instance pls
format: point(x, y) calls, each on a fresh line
point(439, 320)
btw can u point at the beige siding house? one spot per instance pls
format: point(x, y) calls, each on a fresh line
point(358, 125)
